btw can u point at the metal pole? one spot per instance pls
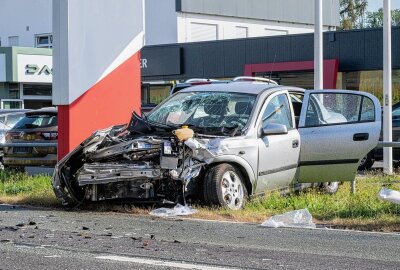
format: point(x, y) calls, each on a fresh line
point(387, 87)
point(318, 47)
point(353, 186)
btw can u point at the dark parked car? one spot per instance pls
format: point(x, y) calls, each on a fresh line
point(377, 154)
point(37, 127)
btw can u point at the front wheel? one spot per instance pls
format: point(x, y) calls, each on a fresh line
point(224, 186)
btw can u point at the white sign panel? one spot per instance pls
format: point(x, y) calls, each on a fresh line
point(35, 68)
point(2, 67)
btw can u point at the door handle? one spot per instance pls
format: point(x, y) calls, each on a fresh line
point(295, 144)
point(360, 137)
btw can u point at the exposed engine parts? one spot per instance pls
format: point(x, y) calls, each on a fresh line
point(119, 163)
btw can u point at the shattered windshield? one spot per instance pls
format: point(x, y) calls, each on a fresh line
point(205, 111)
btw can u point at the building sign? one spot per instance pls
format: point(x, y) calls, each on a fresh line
point(160, 61)
point(2, 67)
point(35, 68)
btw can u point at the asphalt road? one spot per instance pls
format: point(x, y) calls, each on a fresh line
point(43, 239)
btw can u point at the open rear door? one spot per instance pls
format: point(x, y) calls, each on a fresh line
point(337, 128)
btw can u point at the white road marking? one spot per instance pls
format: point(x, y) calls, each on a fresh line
point(180, 265)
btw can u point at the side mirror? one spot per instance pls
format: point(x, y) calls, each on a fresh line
point(274, 129)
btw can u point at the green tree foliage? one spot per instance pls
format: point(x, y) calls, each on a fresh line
point(375, 19)
point(352, 13)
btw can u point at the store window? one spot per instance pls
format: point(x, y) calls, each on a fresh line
point(37, 89)
point(370, 81)
point(13, 91)
point(44, 41)
point(11, 104)
point(153, 94)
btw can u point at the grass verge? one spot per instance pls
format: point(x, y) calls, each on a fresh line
point(361, 211)
point(20, 188)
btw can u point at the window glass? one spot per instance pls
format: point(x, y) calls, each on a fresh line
point(37, 89)
point(278, 112)
point(368, 110)
point(36, 121)
point(199, 110)
point(396, 113)
point(331, 108)
point(14, 118)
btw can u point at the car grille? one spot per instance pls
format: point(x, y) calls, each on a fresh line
point(22, 150)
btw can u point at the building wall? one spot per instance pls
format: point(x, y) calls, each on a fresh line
point(24, 19)
point(161, 22)
point(170, 21)
point(293, 11)
point(356, 50)
point(232, 28)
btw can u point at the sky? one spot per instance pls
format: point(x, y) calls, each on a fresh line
point(374, 5)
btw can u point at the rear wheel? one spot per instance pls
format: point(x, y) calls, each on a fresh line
point(224, 186)
point(366, 162)
point(330, 187)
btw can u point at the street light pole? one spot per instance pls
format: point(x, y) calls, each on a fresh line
point(318, 47)
point(387, 87)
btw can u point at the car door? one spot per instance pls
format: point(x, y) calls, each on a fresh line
point(337, 128)
point(278, 154)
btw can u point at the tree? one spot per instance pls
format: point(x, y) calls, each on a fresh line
point(352, 13)
point(375, 19)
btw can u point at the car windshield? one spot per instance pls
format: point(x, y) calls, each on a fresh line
point(206, 111)
point(37, 121)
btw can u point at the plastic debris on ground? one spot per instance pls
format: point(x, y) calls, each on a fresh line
point(178, 210)
point(293, 219)
point(390, 195)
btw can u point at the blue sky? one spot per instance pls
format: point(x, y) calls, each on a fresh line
point(374, 5)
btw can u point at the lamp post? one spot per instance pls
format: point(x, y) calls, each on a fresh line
point(318, 47)
point(387, 87)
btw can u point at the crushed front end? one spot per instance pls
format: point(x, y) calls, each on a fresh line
point(138, 162)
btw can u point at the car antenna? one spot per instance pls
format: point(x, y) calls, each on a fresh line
point(273, 65)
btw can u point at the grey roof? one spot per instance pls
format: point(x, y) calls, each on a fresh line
point(234, 87)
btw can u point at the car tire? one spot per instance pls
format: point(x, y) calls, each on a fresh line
point(330, 187)
point(224, 186)
point(366, 162)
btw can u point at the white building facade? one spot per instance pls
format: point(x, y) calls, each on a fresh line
point(179, 21)
point(29, 23)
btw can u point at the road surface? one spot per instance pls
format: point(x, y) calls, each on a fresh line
point(54, 239)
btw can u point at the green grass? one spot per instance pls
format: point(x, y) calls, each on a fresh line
point(363, 210)
point(20, 188)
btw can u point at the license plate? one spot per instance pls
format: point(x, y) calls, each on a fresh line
point(22, 150)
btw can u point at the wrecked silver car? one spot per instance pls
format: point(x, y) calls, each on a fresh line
point(220, 143)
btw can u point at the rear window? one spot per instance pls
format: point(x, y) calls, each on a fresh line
point(13, 119)
point(37, 121)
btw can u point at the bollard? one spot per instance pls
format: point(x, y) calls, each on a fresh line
point(353, 186)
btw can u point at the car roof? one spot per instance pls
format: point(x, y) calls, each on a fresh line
point(49, 110)
point(254, 88)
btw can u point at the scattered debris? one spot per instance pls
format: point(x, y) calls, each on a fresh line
point(293, 219)
point(390, 195)
point(178, 210)
point(5, 240)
